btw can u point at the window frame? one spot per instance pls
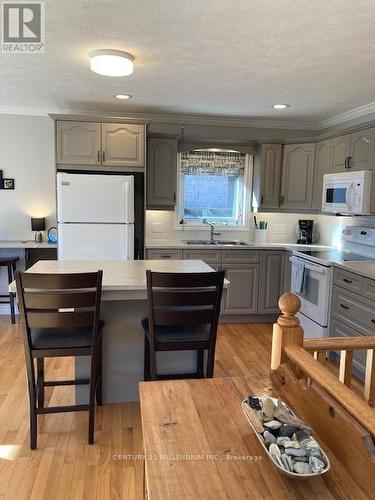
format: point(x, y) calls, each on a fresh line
point(197, 225)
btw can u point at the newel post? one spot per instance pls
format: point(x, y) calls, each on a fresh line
point(287, 330)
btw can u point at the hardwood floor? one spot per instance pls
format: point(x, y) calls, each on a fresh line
point(64, 466)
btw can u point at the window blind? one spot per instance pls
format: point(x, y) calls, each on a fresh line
point(213, 163)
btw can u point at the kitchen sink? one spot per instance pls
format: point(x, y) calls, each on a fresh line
point(232, 242)
point(216, 242)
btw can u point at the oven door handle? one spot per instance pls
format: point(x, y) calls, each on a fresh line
point(310, 267)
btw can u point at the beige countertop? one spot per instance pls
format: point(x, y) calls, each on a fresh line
point(366, 269)
point(155, 244)
point(118, 275)
point(25, 244)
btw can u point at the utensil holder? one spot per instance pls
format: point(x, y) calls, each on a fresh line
point(261, 235)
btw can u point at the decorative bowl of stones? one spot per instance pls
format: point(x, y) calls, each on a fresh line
point(287, 440)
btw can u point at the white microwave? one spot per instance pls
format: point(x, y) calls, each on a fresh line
point(347, 192)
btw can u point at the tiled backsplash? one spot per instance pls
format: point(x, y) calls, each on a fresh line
point(282, 228)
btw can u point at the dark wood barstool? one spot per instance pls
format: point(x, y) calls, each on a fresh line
point(10, 264)
point(183, 314)
point(60, 317)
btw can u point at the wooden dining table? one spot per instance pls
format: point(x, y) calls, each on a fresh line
point(199, 445)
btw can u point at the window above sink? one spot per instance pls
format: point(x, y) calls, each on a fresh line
point(214, 185)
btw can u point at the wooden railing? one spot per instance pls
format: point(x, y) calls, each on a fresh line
point(346, 347)
point(289, 346)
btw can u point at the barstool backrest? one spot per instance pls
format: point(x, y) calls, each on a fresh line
point(59, 300)
point(184, 299)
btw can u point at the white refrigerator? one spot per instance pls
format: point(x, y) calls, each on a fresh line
point(95, 215)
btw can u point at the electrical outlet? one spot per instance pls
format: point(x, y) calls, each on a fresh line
point(157, 227)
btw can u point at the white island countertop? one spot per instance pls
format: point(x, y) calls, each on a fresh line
point(122, 279)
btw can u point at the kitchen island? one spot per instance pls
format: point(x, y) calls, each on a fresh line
point(124, 305)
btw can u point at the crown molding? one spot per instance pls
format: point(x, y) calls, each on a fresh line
point(348, 116)
point(177, 118)
point(362, 115)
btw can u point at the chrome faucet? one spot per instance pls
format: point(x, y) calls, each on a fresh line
point(212, 229)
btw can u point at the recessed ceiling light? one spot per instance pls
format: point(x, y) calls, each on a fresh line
point(111, 62)
point(280, 106)
point(123, 97)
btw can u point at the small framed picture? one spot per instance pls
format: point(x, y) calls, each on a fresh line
point(7, 183)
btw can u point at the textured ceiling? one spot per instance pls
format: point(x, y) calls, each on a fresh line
point(213, 57)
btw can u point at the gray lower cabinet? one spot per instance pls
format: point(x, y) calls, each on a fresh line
point(271, 281)
point(352, 309)
point(161, 174)
point(338, 329)
point(164, 253)
point(211, 257)
point(297, 176)
point(242, 294)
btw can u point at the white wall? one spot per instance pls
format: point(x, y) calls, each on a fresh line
point(282, 228)
point(27, 155)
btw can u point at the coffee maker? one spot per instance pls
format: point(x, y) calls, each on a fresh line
point(305, 231)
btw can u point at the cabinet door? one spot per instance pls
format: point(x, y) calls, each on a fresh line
point(362, 150)
point(340, 151)
point(271, 281)
point(242, 294)
point(78, 143)
point(161, 173)
point(123, 145)
point(297, 176)
point(322, 166)
point(270, 175)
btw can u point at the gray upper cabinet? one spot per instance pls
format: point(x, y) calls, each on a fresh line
point(270, 175)
point(161, 173)
point(78, 143)
point(271, 283)
point(297, 176)
point(362, 150)
point(123, 144)
point(340, 152)
point(107, 144)
point(322, 166)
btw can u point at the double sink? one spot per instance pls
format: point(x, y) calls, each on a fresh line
point(217, 242)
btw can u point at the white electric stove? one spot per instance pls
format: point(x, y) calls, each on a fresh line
point(314, 286)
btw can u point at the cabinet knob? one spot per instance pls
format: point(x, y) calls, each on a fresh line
point(98, 156)
point(347, 281)
point(350, 162)
point(261, 199)
point(103, 156)
point(282, 200)
point(344, 306)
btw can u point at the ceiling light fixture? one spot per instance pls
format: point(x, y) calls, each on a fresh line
point(123, 97)
point(280, 106)
point(111, 62)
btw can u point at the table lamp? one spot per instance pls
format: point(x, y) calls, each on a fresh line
point(38, 224)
